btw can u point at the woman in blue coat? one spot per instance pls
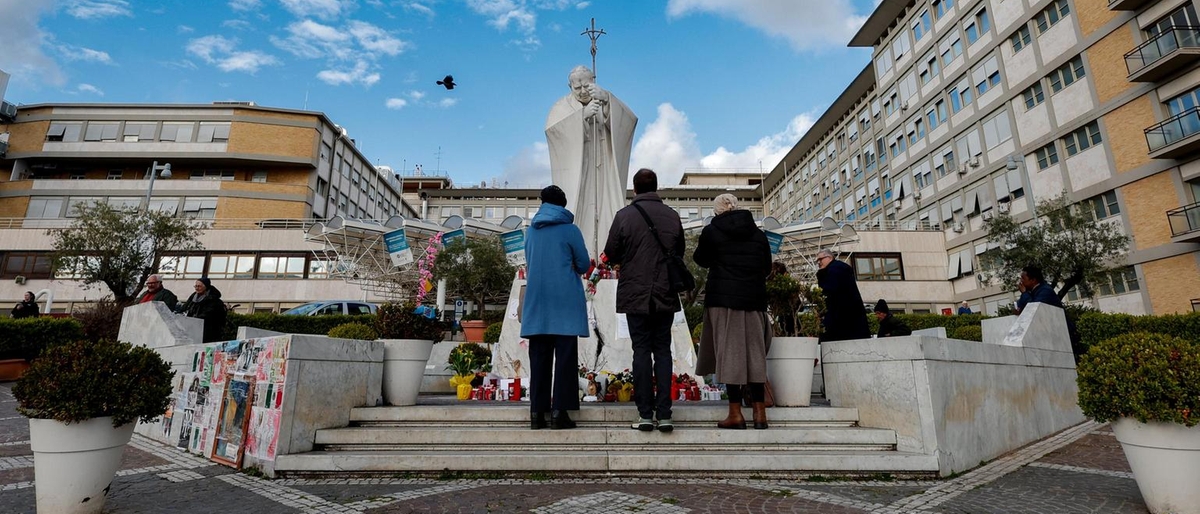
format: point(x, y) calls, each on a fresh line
point(555, 312)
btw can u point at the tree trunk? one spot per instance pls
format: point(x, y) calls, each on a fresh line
point(1071, 281)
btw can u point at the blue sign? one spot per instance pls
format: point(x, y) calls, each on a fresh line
point(452, 236)
point(397, 247)
point(514, 246)
point(775, 240)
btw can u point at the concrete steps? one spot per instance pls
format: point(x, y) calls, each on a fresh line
point(440, 436)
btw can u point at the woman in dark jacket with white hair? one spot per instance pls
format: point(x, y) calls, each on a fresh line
point(205, 303)
point(737, 332)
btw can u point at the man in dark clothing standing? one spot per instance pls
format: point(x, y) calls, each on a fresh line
point(155, 292)
point(643, 294)
point(889, 326)
point(845, 318)
point(1034, 289)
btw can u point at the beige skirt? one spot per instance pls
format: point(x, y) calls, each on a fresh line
point(734, 345)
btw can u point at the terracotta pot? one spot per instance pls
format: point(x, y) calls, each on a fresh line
point(473, 330)
point(12, 369)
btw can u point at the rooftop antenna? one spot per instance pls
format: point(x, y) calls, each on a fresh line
point(306, 96)
point(439, 159)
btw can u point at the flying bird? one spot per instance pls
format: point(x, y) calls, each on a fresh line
point(448, 82)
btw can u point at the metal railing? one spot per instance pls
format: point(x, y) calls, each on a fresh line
point(1184, 220)
point(899, 225)
point(1173, 129)
point(1161, 45)
point(218, 224)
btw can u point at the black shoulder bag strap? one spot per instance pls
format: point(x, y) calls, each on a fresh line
point(654, 231)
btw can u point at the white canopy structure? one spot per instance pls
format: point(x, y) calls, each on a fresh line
point(801, 241)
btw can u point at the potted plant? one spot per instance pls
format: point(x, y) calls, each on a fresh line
point(82, 400)
point(468, 361)
point(473, 328)
point(794, 351)
point(408, 333)
point(1148, 386)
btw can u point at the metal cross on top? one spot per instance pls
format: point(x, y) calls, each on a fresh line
point(593, 35)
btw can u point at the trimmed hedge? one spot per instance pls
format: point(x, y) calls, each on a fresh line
point(25, 338)
point(320, 325)
point(1095, 327)
point(354, 331)
point(492, 333)
point(1148, 377)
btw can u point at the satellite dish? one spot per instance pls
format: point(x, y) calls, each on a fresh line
point(454, 222)
point(828, 224)
point(512, 222)
point(770, 223)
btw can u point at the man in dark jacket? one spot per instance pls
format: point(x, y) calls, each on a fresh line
point(643, 294)
point(155, 292)
point(1034, 289)
point(845, 317)
point(206, 304)
point(889, 326)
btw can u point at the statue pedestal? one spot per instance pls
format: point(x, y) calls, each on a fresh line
point(510, 357)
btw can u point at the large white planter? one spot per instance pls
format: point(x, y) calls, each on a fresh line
point(1165, 458)
point(790, 369)
point(74, 464)
point(403, 368)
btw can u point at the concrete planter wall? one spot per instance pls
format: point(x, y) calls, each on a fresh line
point(790, 364)
point(1165, 458)
point(403, 369)
point(73, 464)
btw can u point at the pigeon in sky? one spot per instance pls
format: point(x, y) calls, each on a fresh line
point(448, 82)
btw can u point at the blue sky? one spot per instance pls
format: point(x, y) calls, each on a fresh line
point(718, 84)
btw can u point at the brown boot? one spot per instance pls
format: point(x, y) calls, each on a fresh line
point(760, 416)
point(734, 420)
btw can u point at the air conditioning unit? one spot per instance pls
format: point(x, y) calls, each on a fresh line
point(916, 195)
point(1003, 207)
point(896, 207)
point(958, 227)
point(974, 162)
point(963, 171)
point(20, 280)
point(987, 215)
point(903, 106)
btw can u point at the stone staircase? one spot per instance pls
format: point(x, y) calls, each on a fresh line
point(495, 437)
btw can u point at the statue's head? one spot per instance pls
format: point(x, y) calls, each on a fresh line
point(579, 78)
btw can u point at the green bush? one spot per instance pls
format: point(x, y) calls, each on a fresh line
point(399, 321)
point(492, 333)
point(82, 380)
point(354, 331)
point(26, 338)
point(289, 324)
point(492, 317)
point(1145, 376)
point(968, 333)
point(694, 314)
point(1095, 327)
point(100, 320)
point(468, 358)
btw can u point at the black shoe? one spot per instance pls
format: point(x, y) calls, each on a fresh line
point(537, 420)
point(560, 421)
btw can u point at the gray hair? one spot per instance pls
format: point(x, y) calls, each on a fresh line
point(581, 70)
point(156, 275)
point(825, 252)
point(725, 203)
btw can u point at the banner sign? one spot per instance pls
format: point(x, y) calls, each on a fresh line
point(514, 246)
point(397, 247)
point(775, 240)
point(452, 236)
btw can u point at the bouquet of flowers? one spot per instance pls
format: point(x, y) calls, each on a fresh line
point(621, 385)
point(684, 388)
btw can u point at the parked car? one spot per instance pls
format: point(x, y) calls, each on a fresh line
point(351, 307)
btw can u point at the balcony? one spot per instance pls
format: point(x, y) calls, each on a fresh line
point(1164, 54)
point(1126, 5)
point(1179, 135)
point(1185, 224)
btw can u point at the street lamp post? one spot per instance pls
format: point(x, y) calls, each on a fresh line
point(154, 172)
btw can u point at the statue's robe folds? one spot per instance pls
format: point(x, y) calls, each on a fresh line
point(594, 194)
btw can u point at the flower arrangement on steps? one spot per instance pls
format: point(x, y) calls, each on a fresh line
point(469, 362)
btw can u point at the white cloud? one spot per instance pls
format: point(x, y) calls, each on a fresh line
point(236, 24)
point(668, 146)
point(446, 103)
point(323, 9)
point(24, 56)
point(223, 53)
point(96, 9)
point(806, 25)
point(529, 168)
point(88, 88)
point(245, 5)
point(360, 74)
point(396, 103)
point(376, 40)
point(419, 8)
point(502, 13)
point(416, 95)
point(184, 29)
point(313, 40)
point(76, 53)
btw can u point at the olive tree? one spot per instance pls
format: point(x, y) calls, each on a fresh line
point(476, 269)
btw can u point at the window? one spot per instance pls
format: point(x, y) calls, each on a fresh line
point(169, 205)
point(941, 7)
point(1118, 281)
point(961, 95)
point(916, 131)
point(923, 175)
point(943, 162)
point(101, 131)
point(1051, 14)
point(139, 131)
point(883, 62)
point(177, 132)
point(951, 49)
point(276, 267)
point(901, 45)
point(212, 175)
point(182, 266)
point(987, 75)
point(930, 69)
point(1103, 205)
point(977, 26)
point(877, 266)
point(1183, 17)
point(74, 267)
point(1184, 102)
point(1021, 38)
point(1082, 138)
point(115, 175)
point(1067, 74)
point(124, 203)
point(65, 131)
point(898, 144)
point(921, 25)
point(1047, 156)
point(937, 116)
point(78, 175)
point(201, 208)
point(1034, 95)
point(213, 132)
point(322, 187)
point(231, 266)
point(31, 265)
point(997, 130)
point(45, 207)
point(259, 176)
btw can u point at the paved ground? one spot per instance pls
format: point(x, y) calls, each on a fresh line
point(1080, 470)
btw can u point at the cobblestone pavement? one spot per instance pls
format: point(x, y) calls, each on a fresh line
point(1079, 470)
